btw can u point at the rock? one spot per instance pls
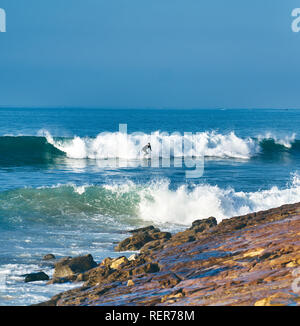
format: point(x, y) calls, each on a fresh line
point(61, 280)
point(277, 299)
point(115, 263)
point(146, 268)
point(145, 229)
point(68, 267)
point(96, 275)
point(191, 234)
point(254, 253)
point(262, 302)
point(292, 264)
point(182, 237)
point(167, 280)
point(246, 260)
point(171, 298)
point(106, 261)
point(33, 277)
point(153, 245)
point(130, 283)
point(49, 257)
point(141, 237)
point(123, 271)
point(204, 224)
point(133, 257)
point(133, 243)
point(118, 262)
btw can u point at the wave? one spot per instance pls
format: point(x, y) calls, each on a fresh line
point(119, 145)
point(23, 150)
point(46, 149)
point(131, 203)
point(286, 141)
point(68, 204)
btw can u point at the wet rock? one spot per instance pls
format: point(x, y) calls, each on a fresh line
point(68, 267)
point(246, 260)
point(118, 262)
point(204, 224)
point(134, 243)
point(167, 280)
point(153, 245)
point(106, 261)
point(130, 283)
point(141, 237)
point(173, 297)
point(254, 253)
point(133, 257)
point(115, 263)
point(192, 234)
point(33, 277)
point(61, 280)
point(293, 263)
point(117, 269)
point(146, 268)
point(149, 228)
point(277, 299)
point(49, 257)
point(181, 238)
point(95, 276)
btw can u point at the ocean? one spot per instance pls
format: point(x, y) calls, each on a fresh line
point(74, 180)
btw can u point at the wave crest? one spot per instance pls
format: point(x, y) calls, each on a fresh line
point(44, 148)
point(283, 140)
point(129, 202)
point(119, 145)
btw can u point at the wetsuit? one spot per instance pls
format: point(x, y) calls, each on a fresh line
point(145, 148)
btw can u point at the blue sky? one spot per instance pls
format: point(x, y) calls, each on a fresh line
point(150, 54)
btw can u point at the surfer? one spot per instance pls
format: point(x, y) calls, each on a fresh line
point(145, 149)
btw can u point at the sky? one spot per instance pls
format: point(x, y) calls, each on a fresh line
point(150, 54)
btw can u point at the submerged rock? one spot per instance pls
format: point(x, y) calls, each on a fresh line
point(49, 257)
point(33, 277)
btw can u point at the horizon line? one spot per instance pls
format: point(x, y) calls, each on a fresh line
point(145, 108)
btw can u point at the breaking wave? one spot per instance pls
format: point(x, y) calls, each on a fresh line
point(45, 148)
point(130, 203)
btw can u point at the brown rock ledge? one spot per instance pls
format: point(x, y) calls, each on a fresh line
point(246, 260)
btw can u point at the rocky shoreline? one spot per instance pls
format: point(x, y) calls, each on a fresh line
point(246, 260)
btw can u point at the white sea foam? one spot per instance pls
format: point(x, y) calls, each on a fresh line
point(121, 145)
point(79, 189)
point(14, 291)
point(284, 140)
point(155, 202)
point(159, 204)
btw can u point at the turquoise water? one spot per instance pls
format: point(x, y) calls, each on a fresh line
point(70, 184)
